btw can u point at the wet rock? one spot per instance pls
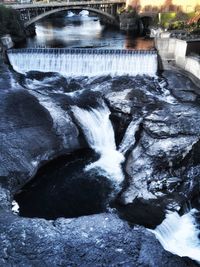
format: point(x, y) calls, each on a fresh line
point(5, 199)
point(160, 154)
point(173, 121)
point(98, 240)
point(120, 101)
point(30, 134)
point(161, 145)
point(162, 139)
point(181, 87)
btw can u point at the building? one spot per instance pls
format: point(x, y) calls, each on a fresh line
point(165, 5)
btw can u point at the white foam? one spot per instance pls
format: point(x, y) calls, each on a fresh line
point(84, 62)
point(99, 134)
point(15, 207)
point(179, 235)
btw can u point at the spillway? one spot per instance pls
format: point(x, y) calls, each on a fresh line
point(84, 62)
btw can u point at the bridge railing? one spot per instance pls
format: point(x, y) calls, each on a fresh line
point(53, 2)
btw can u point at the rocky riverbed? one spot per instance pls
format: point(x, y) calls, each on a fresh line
point(156, 126)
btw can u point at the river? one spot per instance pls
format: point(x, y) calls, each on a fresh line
point(80, 30)
point(151, 143)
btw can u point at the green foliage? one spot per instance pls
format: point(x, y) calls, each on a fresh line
point(181, 16)
point(129, 10)
point(177, 25)
point(10, 23)
point(191, 15)
point(121, 10)
point(177, 21)
point(196, 31)
point(166, 19)
point(194, 28)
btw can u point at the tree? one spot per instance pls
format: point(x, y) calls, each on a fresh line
point(10, 23)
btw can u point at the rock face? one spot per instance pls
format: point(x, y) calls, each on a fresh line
point(98, 240)
point(25, 122)
point(160, 140)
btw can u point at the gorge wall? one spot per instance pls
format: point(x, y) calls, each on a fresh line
point(156, 119)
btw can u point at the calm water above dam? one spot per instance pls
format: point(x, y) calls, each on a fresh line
point(80, 30)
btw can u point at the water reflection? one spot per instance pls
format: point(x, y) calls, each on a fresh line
point(81, 29)
point(139, 43)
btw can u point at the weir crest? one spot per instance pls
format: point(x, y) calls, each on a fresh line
point(84, 62)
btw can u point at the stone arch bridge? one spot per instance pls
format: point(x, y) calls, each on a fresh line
point(106, 10)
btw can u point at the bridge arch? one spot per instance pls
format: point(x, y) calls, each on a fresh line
point(107, 16)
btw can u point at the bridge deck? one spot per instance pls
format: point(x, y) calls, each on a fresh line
point(67, 3)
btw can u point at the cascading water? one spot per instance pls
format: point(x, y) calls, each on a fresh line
point(179, 235)
point(84, 62)
point(99, 134)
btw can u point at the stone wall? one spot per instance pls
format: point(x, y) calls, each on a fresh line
point(172, 50)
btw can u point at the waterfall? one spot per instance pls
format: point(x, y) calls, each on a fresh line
point(179, 235)
point(84, 62)
point(99, 134)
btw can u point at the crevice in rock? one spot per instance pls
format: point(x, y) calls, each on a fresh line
point(120, 122)
point(146, 213)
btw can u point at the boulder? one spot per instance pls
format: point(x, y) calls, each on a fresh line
point(31, 134)
point(161, 144)
point(97, 240)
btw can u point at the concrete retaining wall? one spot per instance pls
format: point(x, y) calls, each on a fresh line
point(193, 66)
point(172, 50)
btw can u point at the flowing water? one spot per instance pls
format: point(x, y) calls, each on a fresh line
point(178, 234)
point(100, 136)
point(84, 62)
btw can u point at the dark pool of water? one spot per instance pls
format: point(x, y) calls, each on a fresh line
point(63, 189)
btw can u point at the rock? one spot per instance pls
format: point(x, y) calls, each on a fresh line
point(5, 199)
point(152, 163)
point(130, 136)
point(165, 148)
point(31, 134)
point(98, 240)
point(120, 101)
point(162, 169)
